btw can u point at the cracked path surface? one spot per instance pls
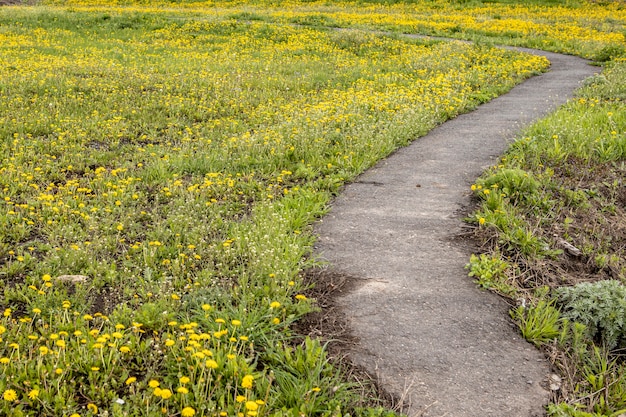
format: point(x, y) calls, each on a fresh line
point(425, 330)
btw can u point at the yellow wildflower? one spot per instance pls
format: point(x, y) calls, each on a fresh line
point(9, 395)
point(188, 412)
point(247, 381)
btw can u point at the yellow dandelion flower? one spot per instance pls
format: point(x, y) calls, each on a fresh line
point(9, 395)
point(188, 412)
point(247, 381)
point(251, 406)
point(274, 304)
point(165, 394)
point(153, 383)
point(33, 394)
point(5, 361)
point(183, 380)
point(182, 390)
point(130, 380)
point(124, 349)
point(93, 408)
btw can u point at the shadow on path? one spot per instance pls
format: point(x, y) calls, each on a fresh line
point(425, 330)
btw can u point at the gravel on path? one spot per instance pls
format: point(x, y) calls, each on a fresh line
point(424, 329)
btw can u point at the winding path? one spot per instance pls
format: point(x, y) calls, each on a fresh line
point(425, 330)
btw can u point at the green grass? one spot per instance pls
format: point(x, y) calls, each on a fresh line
point(592, 29)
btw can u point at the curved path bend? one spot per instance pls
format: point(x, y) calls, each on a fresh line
point(424, 329)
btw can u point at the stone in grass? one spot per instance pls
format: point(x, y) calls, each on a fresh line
point(72, 279)
point(555, 382)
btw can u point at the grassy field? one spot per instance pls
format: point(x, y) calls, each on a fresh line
point(162, 165)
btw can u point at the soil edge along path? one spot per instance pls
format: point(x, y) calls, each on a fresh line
point(424, 330)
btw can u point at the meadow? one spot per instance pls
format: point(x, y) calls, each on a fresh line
point(162, 166)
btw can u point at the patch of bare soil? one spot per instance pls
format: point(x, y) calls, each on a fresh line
point(105, 300)
point(597, 228)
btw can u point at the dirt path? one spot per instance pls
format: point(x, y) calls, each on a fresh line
point(424, 329)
